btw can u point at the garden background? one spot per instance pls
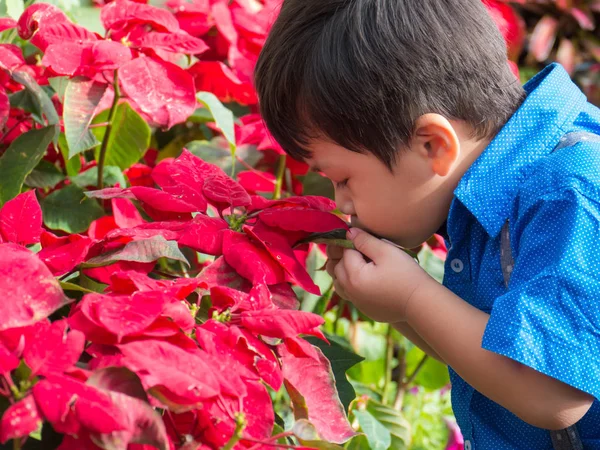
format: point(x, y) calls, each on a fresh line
point(154, 297)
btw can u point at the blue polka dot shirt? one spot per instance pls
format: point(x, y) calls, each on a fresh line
point(549, 317)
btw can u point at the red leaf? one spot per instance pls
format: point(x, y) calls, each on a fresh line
point(301, 219)
point(6, 23)
point(30, 291)
point(282, 323)
point(103, 55)
point(284, 297)
point(238, 250)
point(61, 33)
point(36, 16)
point(248, 349)
point(178, 42)
point(64, 58)
point(171, 231)
point(216, 77)
point(257, 181)
point(11, 57)
point(219, 273)
point(8, 361)
point(70, 405)
point(125, 213)
point(224, 192)
point(543, 38)
point(61, 255)
point(122, 13)
point(99, 228)
point(204, 234)
point(511, 26)
point(154, 198)
point(224, 22)
point(142, 423)
point(21, 219)
point(176, 377)
point(139, 175)
point(314, 381)
point(162, 90)
point(279, 248)
point(4, 108)
point(163, 201)
point(307, 201)
point(184, 178)
point(20, 419)
point(123, 315)
point(52, 349)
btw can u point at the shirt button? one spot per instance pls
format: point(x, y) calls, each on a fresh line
point(468, 445)
point(457, 265)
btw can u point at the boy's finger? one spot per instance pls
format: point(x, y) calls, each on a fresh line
point(367, 244)
point(340, 276)
point(335, 252)
point(330, 266)
point(353, 262)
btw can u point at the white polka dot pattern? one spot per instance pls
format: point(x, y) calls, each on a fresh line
point(549, 318)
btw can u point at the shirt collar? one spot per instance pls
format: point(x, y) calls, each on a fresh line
point(489, 187)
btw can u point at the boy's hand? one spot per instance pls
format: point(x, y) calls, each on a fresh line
point(382, 288)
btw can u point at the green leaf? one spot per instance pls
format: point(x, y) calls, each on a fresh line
point(59, 84)
point(91, 285)
point(69, 210)
point(308, 436)
point(341, 360)
point(66, 286)
point(21, 158)
point(314, 262)
point(89, 17)
point(129, 138)
point(44, 104)
point(433, 375)
point(433, 265)
point(379, 437)
point(112, 176)
point(144, 251)
point(45, 176)
point(394, 422)
point(82, 97)
point(73, 165)
point(214, 153)
point(14, 8)
point(27, 101)
point(222, 115)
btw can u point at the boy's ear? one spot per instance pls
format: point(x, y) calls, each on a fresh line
point(436, 140)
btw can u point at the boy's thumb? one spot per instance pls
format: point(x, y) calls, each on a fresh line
point(366, 243)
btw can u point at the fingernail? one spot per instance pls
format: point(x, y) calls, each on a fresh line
point(352, 232)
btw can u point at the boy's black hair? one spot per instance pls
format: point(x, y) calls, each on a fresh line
point(360, 72)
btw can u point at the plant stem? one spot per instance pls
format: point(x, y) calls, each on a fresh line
point(412, 376)
point(279, 176)
point(389, 355)
point(240, 424)
point(17, 444)
point(338, 314)
point(400, 380)
point(111, 117)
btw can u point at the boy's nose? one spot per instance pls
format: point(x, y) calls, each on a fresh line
point(344, 204)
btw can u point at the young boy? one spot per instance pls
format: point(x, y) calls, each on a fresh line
point(411, 109)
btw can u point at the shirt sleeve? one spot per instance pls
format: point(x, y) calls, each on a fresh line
point(549, 319)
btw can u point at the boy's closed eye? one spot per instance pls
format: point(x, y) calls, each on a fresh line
point(341, 184)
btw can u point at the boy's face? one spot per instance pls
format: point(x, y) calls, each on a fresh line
point(405, 205)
